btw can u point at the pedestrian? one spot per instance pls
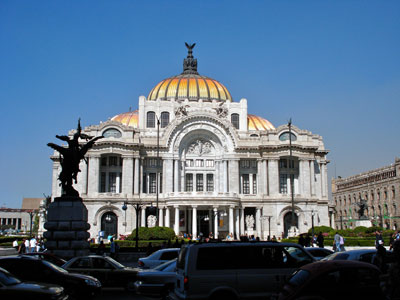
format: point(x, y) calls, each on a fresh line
point(112, 248)
point(101, 249)
point(314, 241)
point(27, 246)
point(307, 240)
point(341, 242)
point(32, 244)
point(336, 242)
point(393, 289)
point(21, 248)
point(378, 239)
point(320, 240)
point(379, 259)
point(301, 240)
point(274, 238)
point(391, 240)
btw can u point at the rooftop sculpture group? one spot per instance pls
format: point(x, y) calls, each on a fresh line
point(71, 158)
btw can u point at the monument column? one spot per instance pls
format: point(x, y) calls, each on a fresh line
point(137, 177)
point(94, 166)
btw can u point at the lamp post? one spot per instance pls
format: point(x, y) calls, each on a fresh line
point(137, 207)
point(158, 166)
point(291, 176)
point(31, 214)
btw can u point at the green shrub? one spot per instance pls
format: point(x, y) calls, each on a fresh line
point(154, 233)
point(318, 229)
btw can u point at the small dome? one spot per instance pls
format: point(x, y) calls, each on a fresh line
point(130, 118)
point(257, 123)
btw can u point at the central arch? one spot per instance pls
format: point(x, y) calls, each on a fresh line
point(287, 222)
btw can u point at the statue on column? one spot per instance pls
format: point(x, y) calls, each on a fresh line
point(71, 158)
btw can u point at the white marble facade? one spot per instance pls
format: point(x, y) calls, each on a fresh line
point(219, 166)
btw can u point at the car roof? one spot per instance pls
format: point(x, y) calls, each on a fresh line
point(237, 244)
point(319, 267)
point(22, 256)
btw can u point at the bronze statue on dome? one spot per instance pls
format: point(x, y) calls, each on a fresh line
point(71, 158)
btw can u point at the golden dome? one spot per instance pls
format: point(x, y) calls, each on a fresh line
point(257, 123)
point(190, 85)
point(130, 118)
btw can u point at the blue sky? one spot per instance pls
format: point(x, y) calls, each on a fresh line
point(331, 66)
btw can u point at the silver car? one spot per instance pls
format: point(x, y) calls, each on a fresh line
point(365, 255)
point(158, 257)
point(158, 281)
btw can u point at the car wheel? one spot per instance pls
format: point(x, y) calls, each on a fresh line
point(130, 286)
point(223, 295)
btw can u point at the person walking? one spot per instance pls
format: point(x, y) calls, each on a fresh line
point(15, 245)
point(320, 240)
point(21, 248)
point(27, 247)
point(301, 240)
point(112, 248)
point(32, 244)
point(336, 242)
point(378, 239)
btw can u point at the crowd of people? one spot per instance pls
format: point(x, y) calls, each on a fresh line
point(27, 245)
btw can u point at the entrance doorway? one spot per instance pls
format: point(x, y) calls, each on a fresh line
point(287, 222)
point(203, 222)
point(109, 224)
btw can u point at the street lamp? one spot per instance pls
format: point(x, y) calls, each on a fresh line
point(291, 176)
point(157, 165)
point(137, 207)
point(31, 214)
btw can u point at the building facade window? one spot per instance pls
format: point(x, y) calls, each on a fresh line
point(283, 186)
point(164, 119)
point(199, 182)
point(152, 183)
point(210, 182)
point(235, 120)
point(189, 183)
point(254, 183)
point(151, 119)
point(245, 184)
point(110, 174)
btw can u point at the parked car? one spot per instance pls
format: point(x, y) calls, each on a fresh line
point(332, 280)
point(236, 270)
point(49, 257)
point(110, 272)
point(318, 253)
point(12, 288)
point(158, 257)
point(365, 255)
point(29, 268)
point(158, 281)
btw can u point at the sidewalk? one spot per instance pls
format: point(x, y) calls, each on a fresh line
point(7, 251)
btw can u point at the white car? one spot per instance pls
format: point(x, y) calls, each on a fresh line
point(158, 257)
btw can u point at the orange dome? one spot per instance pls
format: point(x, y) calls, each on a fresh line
point(130, 118)
point(257, 123)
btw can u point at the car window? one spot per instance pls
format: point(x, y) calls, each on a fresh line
point(100, 263)
point(114, 262)
point(81, 263)
point(53, 267)
point(299, 277)
point(367, 257)
point(182, 258)
point(169, 255)
point(165, 265)
point(216, 258)
point(8, 279)
point(296, 256)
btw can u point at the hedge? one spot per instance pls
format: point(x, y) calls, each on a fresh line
point(154, 233)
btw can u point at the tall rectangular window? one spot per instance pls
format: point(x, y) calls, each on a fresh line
point(245, 184)
point(103, 182)
point(151, 119)
point(254, 183)
point(113, 161)
point(152, 183)
point(112, 182)
point(283, 163)
point(209, 163)
point(235, 120)
point(283, 187)
point(189, 183)
point(160, 182)
point(199, 182)
point(210, 182)
point(199, 163)
point(144, 189)
point(164, 119)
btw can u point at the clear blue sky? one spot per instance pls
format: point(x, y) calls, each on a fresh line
point(332, 66)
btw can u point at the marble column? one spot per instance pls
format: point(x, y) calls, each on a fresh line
point(161, 216)
point(217, 177)
point(176, 225)
point(231, 218)
point(183, 177)
point(210, 219)
point(258, 221)
point(312, 180)
point(118, 183)
point(141, 177)
point(137, 177)
point(215, 211)
point(82, 177)
point(324, 180)
point(307, 179)
point(127, 175)
point(273, 177)
point(251, 183)
point(94, 173)
point(143, 215)
point(176, 176)
point(167, 217)
point(168, 175)
point(237, 223)
point(194, 221)
point(259, 186)
point(264, 177)
point(234, 176)
point(242, 229)
point(225, 175)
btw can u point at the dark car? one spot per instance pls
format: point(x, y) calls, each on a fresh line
point(33, 269)
point(110, 272)
point(49, 257)
point(158, 281)
point(332, 280)
point(12, 288)
point(318, 253)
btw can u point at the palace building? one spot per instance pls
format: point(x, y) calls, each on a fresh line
point(195, 152)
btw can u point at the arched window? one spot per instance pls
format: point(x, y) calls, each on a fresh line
point(112, 132)
point(235, 120)
point(164, 119)
point(285, 137)
point(151, 119)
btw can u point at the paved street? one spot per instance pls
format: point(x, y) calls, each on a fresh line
point(116, 293)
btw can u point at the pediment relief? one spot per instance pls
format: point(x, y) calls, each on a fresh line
point(200, 147)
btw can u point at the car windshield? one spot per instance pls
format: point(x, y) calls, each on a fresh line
point(115, 263)
point(337, 256)
point(54, 267)
point(299, 277)
point(8, 279)
point(165, 265)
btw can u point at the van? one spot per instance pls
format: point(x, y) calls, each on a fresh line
point(236, 270)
